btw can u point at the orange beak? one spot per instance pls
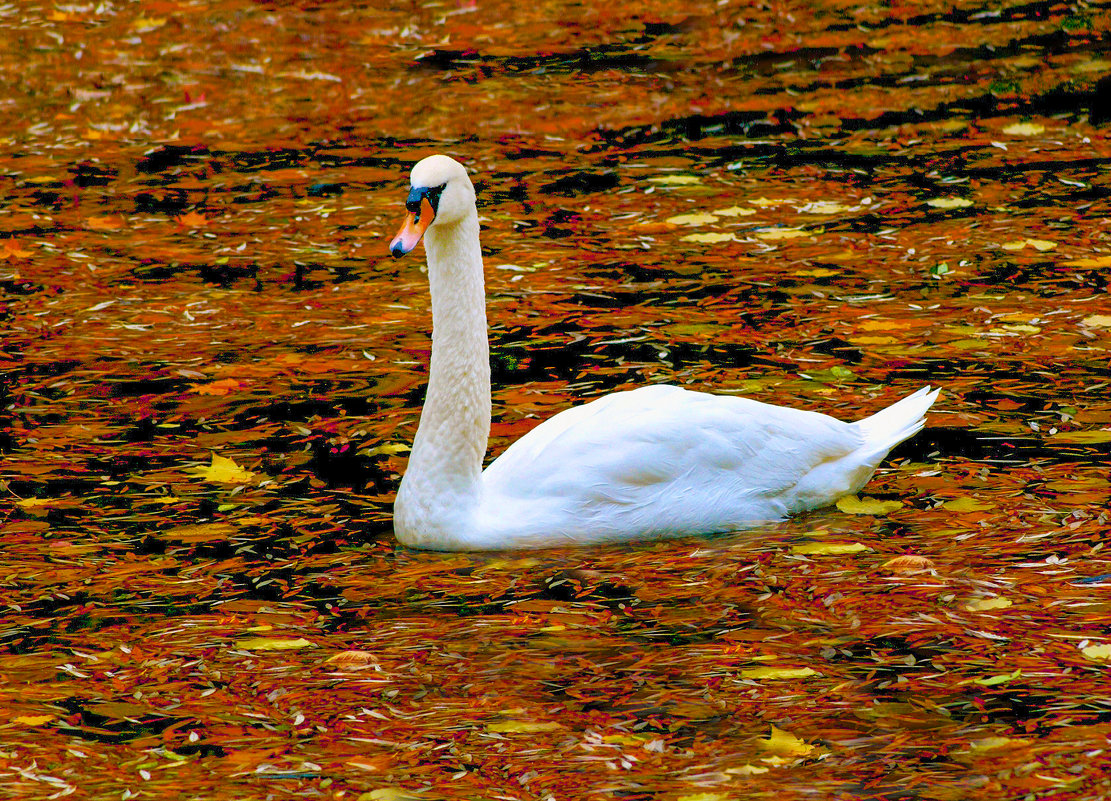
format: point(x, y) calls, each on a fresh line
point(416, 223)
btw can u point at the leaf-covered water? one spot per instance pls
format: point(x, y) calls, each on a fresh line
point(212, 368)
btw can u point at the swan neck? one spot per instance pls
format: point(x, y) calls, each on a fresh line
point(441, 487)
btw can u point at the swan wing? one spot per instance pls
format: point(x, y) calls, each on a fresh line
point(665, 458)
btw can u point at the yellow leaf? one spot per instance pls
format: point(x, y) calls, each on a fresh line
point(1024, 129)
point(823, 207)
point(747, 770)
point(764, 202)
point(852, 505)
point(390, 794)
point(676, 180)
point(783, 743)
point(386, 449)
point(33, 720)
point(1022, 329)
point(705, 797)
point(777, 673)
point(949, 202)
point(995, 743)
point(734, 211)
point(28, 503)
point(866, 340)
point(145, 24)
point(708, 238)
point(223, 471)
point(992, 681)
point(1038, 244)
point(1097, 651)
point(698, 218)
point(522, 726)
point(1097, 321)
point(967, 504)
point(271, 644)
point(781, 233)
point(1100, 261)
point(985, 604)
point(817, 272)
point(1084, 437)
point(829, 548)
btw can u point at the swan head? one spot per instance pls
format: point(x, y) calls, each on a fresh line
point(440, 194)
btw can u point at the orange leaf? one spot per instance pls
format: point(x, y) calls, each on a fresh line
point(11, 250)
point(192, 220)
point(110, 223)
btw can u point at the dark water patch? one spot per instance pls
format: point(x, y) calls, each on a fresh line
point(89, 173)
point(111, 722)
point(471, 65)
point(169, 157)
point(136, 387)
point(167, 200)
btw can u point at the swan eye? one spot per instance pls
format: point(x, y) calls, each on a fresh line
point(416, 194)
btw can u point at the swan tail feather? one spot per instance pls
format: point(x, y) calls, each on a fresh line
point(901, 420)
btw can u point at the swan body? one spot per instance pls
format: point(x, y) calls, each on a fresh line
point(654, 462)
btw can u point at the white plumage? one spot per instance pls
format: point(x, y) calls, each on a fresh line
point(659, 461)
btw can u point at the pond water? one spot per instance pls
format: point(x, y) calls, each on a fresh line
point(213, 369)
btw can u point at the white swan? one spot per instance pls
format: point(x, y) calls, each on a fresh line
point(654, 462)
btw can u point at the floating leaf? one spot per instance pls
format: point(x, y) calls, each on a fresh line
point(875, 340)
point(705, 797)
point(852, 505)
point(33, 720)
point(522, 726)
point(220, 387)
point(1038, 244)
point(823, 207)
point(734, 211)
point(223, 471)
point(110, 223)
point(818, 272)
point(967, 504)
point(1102, 651)
point(708, 237)
point(352, 660)
point(1100, 261)
point(828, 548)
point(764, 202)
point(698, 218)
point(949, 202)
point(747, 770)
point(390, 793)
point(1097, 321)
point(908, 563)
point(271, 644)
point(676, 180)
point(995, 743)
point(772, 234)
point(777, 673)
point(10, 249)
point(1024, 129)
point(386, 449)
point(1001, 679)
point(986, 604)
point(193, 219)
point(1084, 437)
point(783, 743)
